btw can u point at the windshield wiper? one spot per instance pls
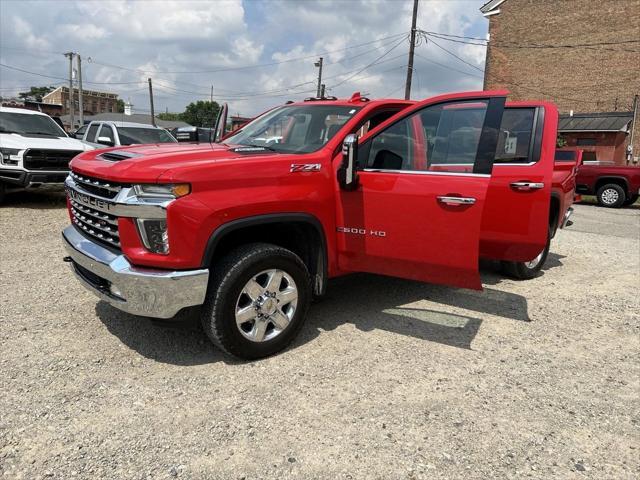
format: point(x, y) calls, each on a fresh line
point(266, 147)
point(41, 133)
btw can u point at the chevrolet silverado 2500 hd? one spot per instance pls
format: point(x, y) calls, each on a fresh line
point(251, 231)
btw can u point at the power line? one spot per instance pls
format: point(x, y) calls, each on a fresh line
point(62, 78)
point(244, 67)
point(456, 56)
point(372, 63)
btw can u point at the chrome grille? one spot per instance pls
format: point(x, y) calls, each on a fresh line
point(101, 226)
point(102, 188)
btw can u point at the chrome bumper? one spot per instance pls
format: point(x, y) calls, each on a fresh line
point(140, 291)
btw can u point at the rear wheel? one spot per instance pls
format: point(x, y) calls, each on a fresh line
point(630, 201)
point(611, 195)
point(257, 300)
point(530, 269)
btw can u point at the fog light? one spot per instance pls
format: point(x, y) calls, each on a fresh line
point(154, 235)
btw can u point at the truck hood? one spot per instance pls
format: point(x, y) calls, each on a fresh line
point(22, 142)
point(146, 163)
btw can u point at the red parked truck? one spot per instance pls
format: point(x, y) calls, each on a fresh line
point(251, 231)
point(614, 186)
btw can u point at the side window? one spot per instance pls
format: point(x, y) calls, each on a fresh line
point(516, 131)
point(93, 129)
point(391, 149)
point(106, 131)
point(441, 138)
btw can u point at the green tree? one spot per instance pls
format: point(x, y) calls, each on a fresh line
point(36, 92)
point(201, 113)
point(119, 105)
point(170, 116)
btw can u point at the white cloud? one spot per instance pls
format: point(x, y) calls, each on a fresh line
point(161, 38)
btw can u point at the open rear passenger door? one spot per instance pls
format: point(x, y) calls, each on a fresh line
point(423, 176)
point(516, 220)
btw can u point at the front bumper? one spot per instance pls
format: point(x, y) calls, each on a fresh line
point(24, 178)
point(140, 291)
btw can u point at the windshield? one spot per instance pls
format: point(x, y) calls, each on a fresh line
point(131, 135)
point(299, 129)
point(29, 124)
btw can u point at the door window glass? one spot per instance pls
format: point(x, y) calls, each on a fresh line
point(516, 131)
point(93, 129)
point(106, 132)
point(442, 137)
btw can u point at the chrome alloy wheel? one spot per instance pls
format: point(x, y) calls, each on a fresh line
point(266, 305)
point(534, 263)
point(610, 196)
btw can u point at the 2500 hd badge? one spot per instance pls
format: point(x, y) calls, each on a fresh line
point(361, 231)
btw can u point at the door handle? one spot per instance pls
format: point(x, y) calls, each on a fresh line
point(447, 200)
point(527, 185)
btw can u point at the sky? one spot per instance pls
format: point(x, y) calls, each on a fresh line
point(256, 54)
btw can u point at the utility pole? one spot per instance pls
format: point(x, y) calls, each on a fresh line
point(319, 65)
point(322, 88)
point(211, 100)
point(412, 47)
point(70, 55)
point(80, 106)
point(153, 116)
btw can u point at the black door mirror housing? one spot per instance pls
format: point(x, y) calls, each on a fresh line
point(347, 173)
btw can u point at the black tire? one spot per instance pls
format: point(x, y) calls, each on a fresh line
point(524, 270)
point(630, 201)
point(611, 195)
point(3, 189)
point(229, 277)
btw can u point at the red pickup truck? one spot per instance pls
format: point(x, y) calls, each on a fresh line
point(252, 229)
point(614, 186)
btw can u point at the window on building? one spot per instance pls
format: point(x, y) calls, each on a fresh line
point(586, 142)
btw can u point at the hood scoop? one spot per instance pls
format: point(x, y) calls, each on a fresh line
point(116, 156)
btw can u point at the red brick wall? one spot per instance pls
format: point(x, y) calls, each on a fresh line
point(596, 79)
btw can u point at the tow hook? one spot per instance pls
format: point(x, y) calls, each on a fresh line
point(67, 259)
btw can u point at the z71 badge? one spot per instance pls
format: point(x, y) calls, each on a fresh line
point(305, 167)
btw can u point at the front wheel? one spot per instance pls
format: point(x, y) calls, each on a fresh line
point(257, 300)
point(611, 195)
point(530, 269)
point(630, 201)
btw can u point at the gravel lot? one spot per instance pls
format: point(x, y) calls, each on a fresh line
point(390, 379)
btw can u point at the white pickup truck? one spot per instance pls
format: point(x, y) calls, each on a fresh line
point(33, 149)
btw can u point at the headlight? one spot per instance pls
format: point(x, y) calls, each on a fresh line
point(154, 235)
point(165, 190)
point(7, 153)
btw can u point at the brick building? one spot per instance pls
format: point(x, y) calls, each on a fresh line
point(593, 65)
point(93, 102)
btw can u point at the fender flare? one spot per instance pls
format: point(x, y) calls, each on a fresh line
point(219, 233)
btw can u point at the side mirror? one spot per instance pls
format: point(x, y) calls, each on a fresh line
point(347, 176)
point(105, 141)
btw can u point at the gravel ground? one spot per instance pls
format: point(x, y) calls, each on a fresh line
point(389, 379)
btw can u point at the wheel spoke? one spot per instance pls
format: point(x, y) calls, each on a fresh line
point(280, 320)
point(286, 296)
point(275, 279)
point(245, 314)
point(253, 289)
point(259, 329)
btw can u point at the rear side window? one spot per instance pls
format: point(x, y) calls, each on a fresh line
point(516, 132)
point(93, 129)
point(565, 156)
